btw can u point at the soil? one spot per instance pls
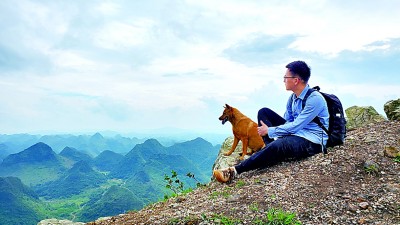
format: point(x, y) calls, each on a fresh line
point(353, 184)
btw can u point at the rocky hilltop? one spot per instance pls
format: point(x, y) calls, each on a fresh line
point(357, 183)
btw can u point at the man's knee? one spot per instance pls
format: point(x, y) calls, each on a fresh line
point(263, 113)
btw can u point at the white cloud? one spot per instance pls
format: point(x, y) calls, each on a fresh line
point(108, 8)
point(121, 35)
point(125, 63)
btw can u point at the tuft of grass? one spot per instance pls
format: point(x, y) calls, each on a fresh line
point(371, 169)
point(216, 194)
point(224, 220)
point(254, 207)
point(240, 183)
point(280, 217)
point(397, 159)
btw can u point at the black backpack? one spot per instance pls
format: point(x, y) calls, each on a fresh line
point(337, 121)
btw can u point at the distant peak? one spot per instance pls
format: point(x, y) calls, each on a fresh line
point(151, 141)
point(97, 136)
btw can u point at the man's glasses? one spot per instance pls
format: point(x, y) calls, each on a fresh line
point(285, 77)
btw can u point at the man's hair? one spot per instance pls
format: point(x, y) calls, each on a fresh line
point(301, 69)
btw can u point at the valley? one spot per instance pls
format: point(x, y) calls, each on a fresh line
point(82, 185)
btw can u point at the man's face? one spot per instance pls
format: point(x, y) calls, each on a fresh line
point(290, 79)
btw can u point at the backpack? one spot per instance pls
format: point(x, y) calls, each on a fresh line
point(337, 122)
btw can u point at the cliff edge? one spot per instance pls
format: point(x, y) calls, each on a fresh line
point(357, 183)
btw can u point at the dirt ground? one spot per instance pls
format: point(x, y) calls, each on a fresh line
point(352, 184)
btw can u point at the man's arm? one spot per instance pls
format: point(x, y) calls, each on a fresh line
point(313, 107)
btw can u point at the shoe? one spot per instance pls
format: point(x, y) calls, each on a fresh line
point(225, 175)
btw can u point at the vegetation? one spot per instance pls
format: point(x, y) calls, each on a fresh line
point(177, 186)
point(75, 186)
point(272, 217)
point(371, 169)
point(280, 217)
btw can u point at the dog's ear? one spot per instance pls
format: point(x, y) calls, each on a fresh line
point(227, 106)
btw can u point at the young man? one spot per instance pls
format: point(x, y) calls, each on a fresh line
point(295, 136)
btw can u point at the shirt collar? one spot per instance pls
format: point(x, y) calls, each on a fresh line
point(304, 92)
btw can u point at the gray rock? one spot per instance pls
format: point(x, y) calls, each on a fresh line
point(58, 222)
point(360, 116)
point(223, 161)
point(392, 109)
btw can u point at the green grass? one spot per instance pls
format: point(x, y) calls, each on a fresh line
point(272, 217)
point(225, 193)
point(371, 169)
point(280, 217)
point(254, 207)
point(240, 183)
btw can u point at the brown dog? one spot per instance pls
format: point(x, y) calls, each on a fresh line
point(244, 129)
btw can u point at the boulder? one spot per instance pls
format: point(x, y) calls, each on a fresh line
point(360, 116)
point(223, 161)
point(58, 222)
point(391, 152)
point(392, 110)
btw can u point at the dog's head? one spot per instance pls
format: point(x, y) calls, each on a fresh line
point(226, 114)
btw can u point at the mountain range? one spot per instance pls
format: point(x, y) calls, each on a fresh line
point(74, 185)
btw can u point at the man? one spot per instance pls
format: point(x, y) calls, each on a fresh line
point(295, 136)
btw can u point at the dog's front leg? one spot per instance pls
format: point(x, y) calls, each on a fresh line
point(245, 143)
point(235, 143)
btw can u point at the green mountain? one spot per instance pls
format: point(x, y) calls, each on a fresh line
point(90, 144)
point(115, 200)
point(107, 160)
point(35, 165)
point(199, 152)
point(146, 165)
point(75, 155)
point(75, 186)
point(18, 203)
point(136, 158)
point(76, 180)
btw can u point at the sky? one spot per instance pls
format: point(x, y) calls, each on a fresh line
point(145, 65)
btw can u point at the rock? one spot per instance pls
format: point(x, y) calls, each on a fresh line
point(223, 161)
point(371, 167)
point(394, 188)
point(363, 205)
point(391, 152)
point(352, 208)
point(359, 116)
point(58, 222)
point(392, 109)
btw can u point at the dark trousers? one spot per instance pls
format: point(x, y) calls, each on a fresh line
point(283, 149)
point(271, 119)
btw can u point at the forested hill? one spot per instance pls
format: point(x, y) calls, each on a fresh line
point(39, 183)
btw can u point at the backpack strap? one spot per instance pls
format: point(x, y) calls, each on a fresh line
point(316, 119)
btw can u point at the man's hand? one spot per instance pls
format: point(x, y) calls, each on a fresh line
point(263, 129)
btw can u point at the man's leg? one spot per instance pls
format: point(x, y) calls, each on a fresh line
point(271, 119)
point(282, 149)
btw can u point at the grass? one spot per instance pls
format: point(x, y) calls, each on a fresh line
point(371, 169)
point(272, 217)
point(240, 183)
point(280, 217)
point(254, 207)
point(225, 193)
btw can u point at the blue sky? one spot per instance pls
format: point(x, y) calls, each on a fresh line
point(135, 66)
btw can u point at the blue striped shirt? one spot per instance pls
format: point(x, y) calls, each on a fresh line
point(299, 122)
